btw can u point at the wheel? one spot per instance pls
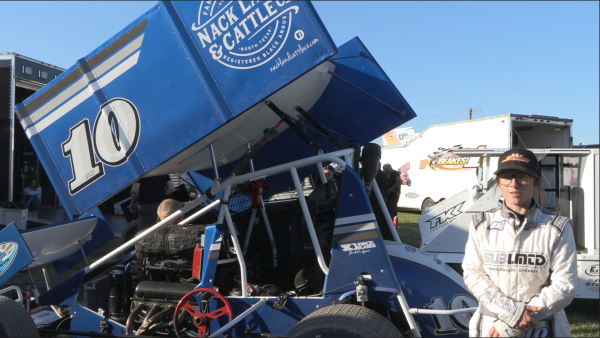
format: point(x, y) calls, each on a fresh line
point(408, 183)
point(344, 320)
point(427, 203)
point(15, 321)
point(128, 234)
point(199, 319)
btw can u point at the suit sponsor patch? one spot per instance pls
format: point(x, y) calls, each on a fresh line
point(533, 226)
point(497, 225)
point(514, 259)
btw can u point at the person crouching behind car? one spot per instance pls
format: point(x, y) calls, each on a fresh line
point(520, 260)
point(167, 207)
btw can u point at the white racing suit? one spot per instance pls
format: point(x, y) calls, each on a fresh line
point(507, 269)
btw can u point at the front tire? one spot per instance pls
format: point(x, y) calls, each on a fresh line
point(344, 320)
point(15, 321)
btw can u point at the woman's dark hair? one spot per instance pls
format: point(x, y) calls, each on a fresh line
point(36, 182)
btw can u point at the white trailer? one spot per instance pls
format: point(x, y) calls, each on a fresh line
point(570, 178)
point(436, 175)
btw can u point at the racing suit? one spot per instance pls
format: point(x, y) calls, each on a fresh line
point(508, 267)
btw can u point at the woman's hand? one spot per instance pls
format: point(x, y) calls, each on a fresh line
point(527, 322)
point(494, 332)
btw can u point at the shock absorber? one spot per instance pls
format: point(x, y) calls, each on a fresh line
point(362, 292)
point(117, 301)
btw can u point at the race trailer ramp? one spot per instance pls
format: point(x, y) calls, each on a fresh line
point(192, 82)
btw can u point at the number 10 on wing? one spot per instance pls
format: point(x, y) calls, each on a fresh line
point(114, 138)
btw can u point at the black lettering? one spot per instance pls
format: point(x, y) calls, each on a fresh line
point(540, 260)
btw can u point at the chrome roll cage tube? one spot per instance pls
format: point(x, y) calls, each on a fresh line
point(224, 214)
point(308, 220)
point(155, 227)
point(266, 220)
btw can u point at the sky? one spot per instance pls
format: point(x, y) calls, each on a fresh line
point(501, 57)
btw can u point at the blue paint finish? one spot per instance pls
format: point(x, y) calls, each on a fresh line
point(343, 110)
point(240, 84)
point(174, 79)
point(14, 253)
point(86, 320)
point(212, 235)
point(346, 264)
point(101, 235)
point(420, 285)
point(268, 319)
point(64, 293)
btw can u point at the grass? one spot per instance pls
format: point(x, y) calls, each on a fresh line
point(583, 314)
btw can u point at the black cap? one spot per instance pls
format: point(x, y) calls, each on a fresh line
point(520, 159)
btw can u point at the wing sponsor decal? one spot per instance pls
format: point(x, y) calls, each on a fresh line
point(248, 34)
point(441, 220)
point(411, 195)
point(8, 252)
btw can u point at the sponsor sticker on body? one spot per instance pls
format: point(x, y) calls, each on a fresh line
point(8, 252)
point(358, 248)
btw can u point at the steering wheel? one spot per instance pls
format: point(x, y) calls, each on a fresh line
point(200, 319)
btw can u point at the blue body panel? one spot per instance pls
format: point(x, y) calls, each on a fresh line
point(139, 87)
point(86, 320)
point(268, 319)
point(14, 253)
point(358, 247)
point(349, 114)
point(421, 286)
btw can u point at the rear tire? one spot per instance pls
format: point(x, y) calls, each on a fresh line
point(15, 321)
point(128, 234)
point(344, 320)
point(427, 203)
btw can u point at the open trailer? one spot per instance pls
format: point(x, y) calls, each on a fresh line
point(436, 174)
point(253, 96)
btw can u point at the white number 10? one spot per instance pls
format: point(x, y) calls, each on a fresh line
point(115, 137)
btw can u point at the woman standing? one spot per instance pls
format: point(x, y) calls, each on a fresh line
point(32, 195)
point(520, 260)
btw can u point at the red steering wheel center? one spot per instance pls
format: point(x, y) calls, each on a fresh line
point(200, 319)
